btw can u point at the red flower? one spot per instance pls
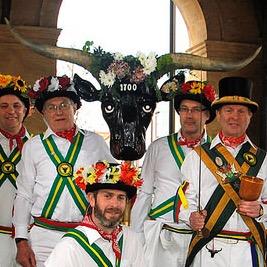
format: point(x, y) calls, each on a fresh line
point(80, 182)
point(64, 81)
point(100, 168)
point(186, 87)
point(127, 173)
point(43, 83)
point(209, 92)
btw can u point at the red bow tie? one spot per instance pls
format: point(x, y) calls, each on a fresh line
point(183, 141)
point(18, 137)
point(87, 221)
point(231, 141)
point(67, 134)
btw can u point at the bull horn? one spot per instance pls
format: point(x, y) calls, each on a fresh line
point(193, 62)
point(67, 54)
point(166, 63)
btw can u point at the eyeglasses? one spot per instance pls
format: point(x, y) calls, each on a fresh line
point(51, 108)
point(194, 110)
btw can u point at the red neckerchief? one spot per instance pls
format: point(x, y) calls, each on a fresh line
point(88, 222)
point(67, 134)
point(231, 141)
point(183, 141)
point(18, 137)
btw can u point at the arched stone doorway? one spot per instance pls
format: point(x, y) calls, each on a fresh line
point(216, 29)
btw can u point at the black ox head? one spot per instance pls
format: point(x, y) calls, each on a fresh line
point(127, 106)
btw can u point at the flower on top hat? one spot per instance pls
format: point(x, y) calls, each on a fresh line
point(198, 87)
point(13, 82)
point(50, 84)
point(107, 175)
point(112, 67)
point(53, 86)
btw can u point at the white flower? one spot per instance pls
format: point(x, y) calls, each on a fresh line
point(118, 56)
point(36, 86)
point(107, 79)
point(148, 62)
point(54, 85)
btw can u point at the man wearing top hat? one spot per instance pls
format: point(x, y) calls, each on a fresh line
point(232, 232)
point(14, 107)
point(46, 190)
point(155, 213)
point(100, 240)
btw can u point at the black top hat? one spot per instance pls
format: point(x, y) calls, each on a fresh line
point(235, 90)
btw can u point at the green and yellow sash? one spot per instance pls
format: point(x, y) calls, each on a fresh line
point(64, 177)
point(94, 251)
point(174, 203)
point(225, 198)
point(8, 165)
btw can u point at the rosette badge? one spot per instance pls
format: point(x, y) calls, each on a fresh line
point(104, 175)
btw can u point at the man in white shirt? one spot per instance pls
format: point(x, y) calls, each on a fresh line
point(155, 213)
point(100, 240)
point(232, 230)
point(46, 191)
point(14, 107)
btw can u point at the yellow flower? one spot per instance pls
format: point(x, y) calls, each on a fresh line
point(5, 80)
point(115, 174)
point(91, 176)
point(197, 88)
point(20, 84)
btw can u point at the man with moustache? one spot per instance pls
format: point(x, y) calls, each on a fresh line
point(46, 191)
point(14, 107)
point(100, 240)
point(155, 213)
point(233, 233)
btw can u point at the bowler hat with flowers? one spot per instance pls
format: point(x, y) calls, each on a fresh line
point(53, 86)
point(14, 85)
point(235, 91)
point(199, 91)
point(104, 175)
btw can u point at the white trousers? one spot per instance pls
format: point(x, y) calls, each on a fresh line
point(8, 251)
point(164, 248)
point(231, 253)
point(43, 242)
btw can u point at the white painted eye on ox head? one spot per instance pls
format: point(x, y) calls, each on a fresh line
point(147, 108)
point(109, 108)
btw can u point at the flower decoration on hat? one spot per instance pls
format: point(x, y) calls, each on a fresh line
point(103, 172)
point(114, 67)
point(15, 83)
point(51, 84)
point(198, 87)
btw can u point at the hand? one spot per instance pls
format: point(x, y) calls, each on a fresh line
point(197, 219)
point(25, 256)
point(249, 208)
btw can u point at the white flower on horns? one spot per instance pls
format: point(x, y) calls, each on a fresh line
point(118, 56)
point(107, 79)
point(54, 85)
point(148, 62)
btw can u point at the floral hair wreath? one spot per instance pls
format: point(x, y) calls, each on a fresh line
point(15, 83)
point(105, 173)
point(175, 87)
point(50, 84)
point(114, 67)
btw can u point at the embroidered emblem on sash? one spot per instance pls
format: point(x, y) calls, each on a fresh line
point(229, 174)
point(65, 169)
point(218, 161)
point(7, 167)
point(249, 158)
